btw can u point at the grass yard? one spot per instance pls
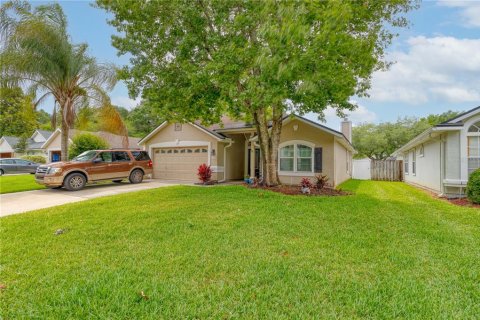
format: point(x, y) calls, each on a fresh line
point(389, 251)
point(17, 183)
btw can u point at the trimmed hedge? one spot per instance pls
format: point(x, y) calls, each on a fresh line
point(35, 158)
point(473, 187)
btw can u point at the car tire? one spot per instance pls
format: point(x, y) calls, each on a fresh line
point(75, 182)
point(1, 172)
point(136, 176)
point(117, 181)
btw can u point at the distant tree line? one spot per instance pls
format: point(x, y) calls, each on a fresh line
point(379, 141)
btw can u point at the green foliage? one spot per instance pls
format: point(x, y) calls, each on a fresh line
point(473, 186)
point(143, 119)
point(22, 144)
point(84, 142)
point(35, 158)
point(44, 120)
point(378, 141)
point(200, 59)
point(389, 251)
point(17, 117)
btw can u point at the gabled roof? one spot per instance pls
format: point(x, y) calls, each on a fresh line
point(12, 141)
point(453, 124)
point(31, 144)
point(114, 140)
point(45, 133)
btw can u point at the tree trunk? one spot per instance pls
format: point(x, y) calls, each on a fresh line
point(269, 141)
point(64, 140)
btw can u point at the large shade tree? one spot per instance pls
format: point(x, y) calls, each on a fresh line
point(37, 52)
point(253, 59)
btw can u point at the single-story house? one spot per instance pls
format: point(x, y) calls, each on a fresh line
point(8, 144)
point(52, 146)
point(231, 149)
point(442, 158)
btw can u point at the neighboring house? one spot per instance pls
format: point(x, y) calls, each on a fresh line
point(8, 144)
point(230, 148)
point(52, 146)
point(442, 158)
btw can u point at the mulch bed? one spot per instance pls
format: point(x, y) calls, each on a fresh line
point(464, 202)
point(296, 191)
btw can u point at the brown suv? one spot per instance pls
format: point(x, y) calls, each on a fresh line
point(95, 165)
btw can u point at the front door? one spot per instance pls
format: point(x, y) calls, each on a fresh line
point(56, 156)
point(257, 162)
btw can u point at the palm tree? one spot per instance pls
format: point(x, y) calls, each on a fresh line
point(36, 51)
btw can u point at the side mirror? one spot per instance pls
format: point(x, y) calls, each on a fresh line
point(97, 160)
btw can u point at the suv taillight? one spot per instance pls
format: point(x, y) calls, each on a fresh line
point(150, 164)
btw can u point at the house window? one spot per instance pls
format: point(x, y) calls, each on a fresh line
point(414, 162)
point(296, 158)
point(178, 127)
point(421, 151)
point(406, 163)
point(473, 147)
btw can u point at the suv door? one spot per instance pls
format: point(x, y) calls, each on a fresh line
point(122, 164)
point(101, 166)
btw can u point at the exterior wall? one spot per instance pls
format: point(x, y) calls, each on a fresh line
point(189, 135)
point(343, 163)
point(54, 145)
point(37, 137)
point(236, 158)
point(452, 156)
point(428, 166)
point(317, 137)
point(5, 147)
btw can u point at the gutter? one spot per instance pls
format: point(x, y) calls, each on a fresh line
point(225, 161)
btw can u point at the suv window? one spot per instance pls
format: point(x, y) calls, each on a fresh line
point(120, 156)
point(105, 156)
point(140, 155)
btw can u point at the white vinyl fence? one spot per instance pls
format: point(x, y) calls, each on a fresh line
point(361, 169)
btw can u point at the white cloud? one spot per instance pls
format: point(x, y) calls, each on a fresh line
point(125, 102)
point(469, 12)
point(432, 70)
point(357, 116)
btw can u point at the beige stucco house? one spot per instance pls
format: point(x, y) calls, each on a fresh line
point(230, 148)
point(442, 158)
point(52, 146)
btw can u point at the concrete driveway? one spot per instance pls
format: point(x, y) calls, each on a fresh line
point(18, 202)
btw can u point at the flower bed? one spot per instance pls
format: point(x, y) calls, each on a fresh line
point(296, 190)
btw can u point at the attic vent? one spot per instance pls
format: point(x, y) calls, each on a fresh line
point(178, 127)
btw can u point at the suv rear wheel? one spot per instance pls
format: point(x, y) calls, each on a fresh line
point(75, 182)
point(136, 176)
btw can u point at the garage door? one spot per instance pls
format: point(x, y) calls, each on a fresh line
point(178, 163)
point(6, 155)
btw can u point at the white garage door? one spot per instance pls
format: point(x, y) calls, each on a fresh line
point(178, 163)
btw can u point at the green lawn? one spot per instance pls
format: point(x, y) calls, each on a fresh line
point(389, 251)
point(17, 183)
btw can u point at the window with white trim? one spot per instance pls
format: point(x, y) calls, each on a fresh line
point(414, 162)
point(406, 163)
point(296, 157)
point(421, 151)
point(473, 147)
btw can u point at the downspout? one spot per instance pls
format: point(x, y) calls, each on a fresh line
point(225, 161)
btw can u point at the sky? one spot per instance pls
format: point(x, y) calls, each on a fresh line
point(436, 62)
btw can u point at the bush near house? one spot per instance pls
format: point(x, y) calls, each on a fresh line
point(473, 187)
point(84, 142)
point(204, 173)
point(35, 158)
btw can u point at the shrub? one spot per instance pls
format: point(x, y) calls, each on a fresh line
point(473, 187)
point(321, 181)
point(306, 185)
point(204, 173)
point(84, 142)
point(35, 158)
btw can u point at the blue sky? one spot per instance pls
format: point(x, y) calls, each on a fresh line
point(437, 61)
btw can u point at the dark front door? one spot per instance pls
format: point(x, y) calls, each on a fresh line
point(257, 162)
point(56, 156)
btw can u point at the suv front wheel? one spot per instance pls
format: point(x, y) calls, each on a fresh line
point(136, 176)
point(75, 182)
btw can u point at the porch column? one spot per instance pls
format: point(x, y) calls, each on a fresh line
point(252, 159)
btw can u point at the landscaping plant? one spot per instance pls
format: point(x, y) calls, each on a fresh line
point(321, 181)
point(306, 185)
point(473, 187)
point(84, 142)
point(204, 173)
point(35, 158)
